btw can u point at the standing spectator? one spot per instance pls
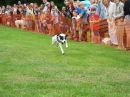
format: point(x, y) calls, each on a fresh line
point(41, 8)
point(64, 12)
point(19, 9)
point(36, 9)
point(49, 23)
point(71, 8)
point(69, 14)
point(52, 5)
point(127, 22)
point(24, 8)
point(55, 20)
point(0, 10)
point(78, 1)
point(66, 5)
point(42, 23)
point(119, 13)
point(110, 10)
point(10, 10)
point(3, 9)
point(93, 4)
point(77, 8)
point(94, 22)
point(74, 33)
point(45, 5)
point(84, 22)
point(29, 20)
point(15, 9)
point(19, 3)
point(71, 2)
point(101, 10)
point(31, 7)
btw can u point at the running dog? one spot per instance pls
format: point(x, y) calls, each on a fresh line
point(60, 39)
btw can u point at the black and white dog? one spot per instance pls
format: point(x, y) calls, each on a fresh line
point(60, 39)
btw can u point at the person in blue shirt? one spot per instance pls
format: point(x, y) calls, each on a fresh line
point(77, 8)
point(84, 22)
point(101, 10)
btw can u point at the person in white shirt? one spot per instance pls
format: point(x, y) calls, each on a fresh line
point(119, 21)
point(45, 5)
point(110, 11)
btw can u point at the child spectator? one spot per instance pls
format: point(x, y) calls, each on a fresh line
point(94, 22)
point(55, 20)
point(43, 23)
point(84, 22)
point(77, 8)
point(29, 21)
point(75, 27)
point(49, 23)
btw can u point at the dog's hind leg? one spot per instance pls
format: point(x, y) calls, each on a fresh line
point(60, 45)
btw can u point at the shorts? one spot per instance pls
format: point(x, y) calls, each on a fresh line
point(96, 32)
point(49, 26)
point(84, 21)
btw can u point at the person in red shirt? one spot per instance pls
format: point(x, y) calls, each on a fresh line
point(94, 24)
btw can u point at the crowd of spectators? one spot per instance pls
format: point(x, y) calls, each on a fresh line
point(76, 20)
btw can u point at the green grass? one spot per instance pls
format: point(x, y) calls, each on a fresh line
point(31, 67)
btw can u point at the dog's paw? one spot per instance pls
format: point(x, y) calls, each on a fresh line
point(63, 53)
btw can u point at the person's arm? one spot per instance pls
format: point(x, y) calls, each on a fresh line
point(114, 10)
point(98, 8)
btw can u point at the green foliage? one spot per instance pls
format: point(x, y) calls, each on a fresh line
point(31, 67)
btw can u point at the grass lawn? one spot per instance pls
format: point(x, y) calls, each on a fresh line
point(31, 67)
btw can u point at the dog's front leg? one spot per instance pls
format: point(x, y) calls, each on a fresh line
point(53, 40)
point(16, 24)
point(66, 44)
point(61, 48)
point(22, 26)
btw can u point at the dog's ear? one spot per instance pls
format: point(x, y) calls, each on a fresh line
point(66, 36)
point(58, 34)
